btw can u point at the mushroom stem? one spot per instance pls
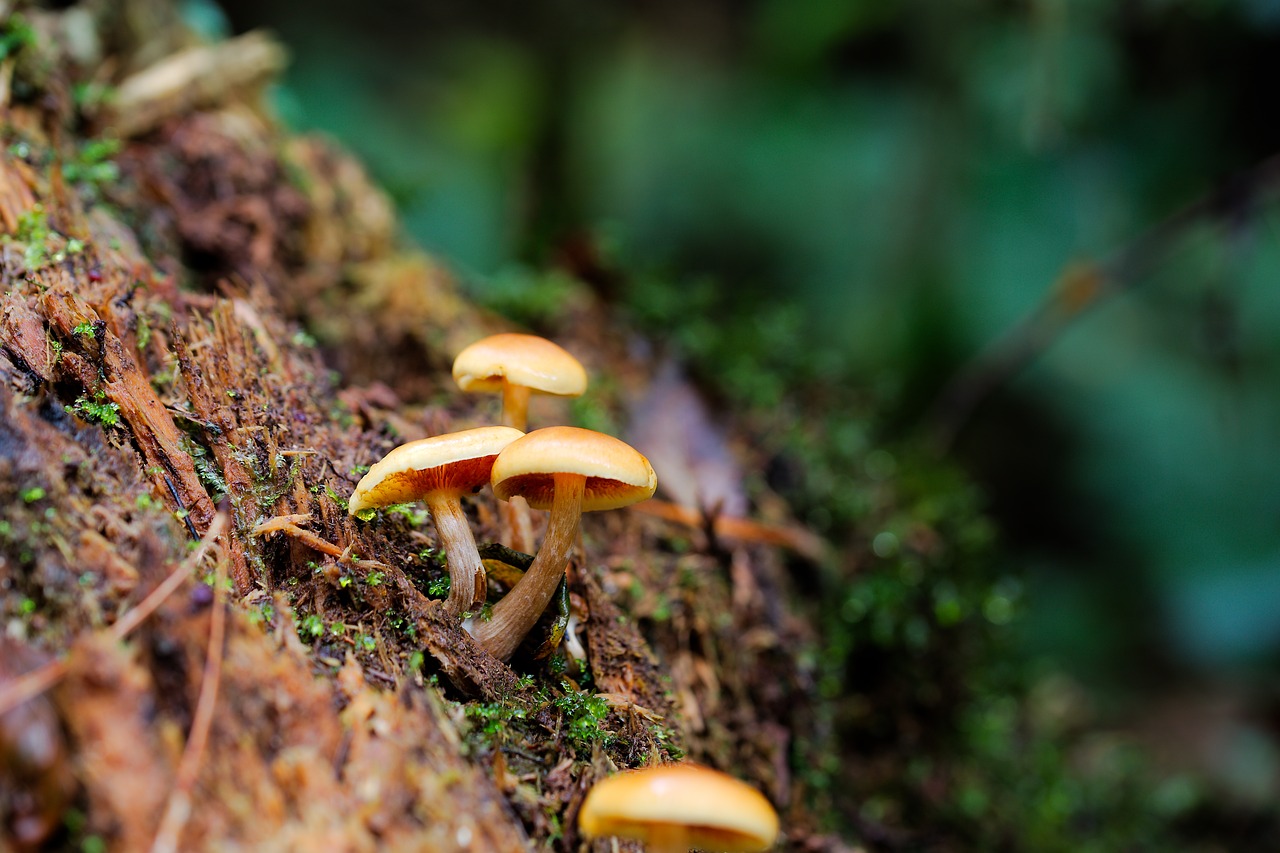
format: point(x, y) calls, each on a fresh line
point(515, 515)
point(467, 581)
point(513, 616)
point(515, 405)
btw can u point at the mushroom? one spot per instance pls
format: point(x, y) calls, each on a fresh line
point(438, 471)
point(569, 471)
point(673, 807)
point(517, 366)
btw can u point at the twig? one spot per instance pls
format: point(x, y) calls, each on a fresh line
point(32, 684)
point(796, 539)
point(179, 807)
point(289, 524)
point(1080, 287)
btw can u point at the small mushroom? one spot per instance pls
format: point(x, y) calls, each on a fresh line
point(673, 807)
point(517, 366)
point(438, 471)
point(569, 471)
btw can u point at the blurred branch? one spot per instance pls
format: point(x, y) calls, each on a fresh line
point(1081, 286)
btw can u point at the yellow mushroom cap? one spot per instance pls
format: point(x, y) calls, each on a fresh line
point(459, 461)
point(617, 474)
point(713, 810)
point(526, 360)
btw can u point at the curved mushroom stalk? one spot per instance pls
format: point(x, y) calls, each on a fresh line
point(568, 471)
point(439, 470)
point(467, 581)
point(516, 614)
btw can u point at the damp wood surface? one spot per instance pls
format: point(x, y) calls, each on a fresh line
point(226, 321)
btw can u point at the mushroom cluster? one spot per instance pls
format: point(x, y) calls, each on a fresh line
point(565, 470)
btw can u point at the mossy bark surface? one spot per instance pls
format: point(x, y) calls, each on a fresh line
point(202, 313)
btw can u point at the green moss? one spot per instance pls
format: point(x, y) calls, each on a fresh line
point(97, 410)
point(92, 165)
point(584, 715)
point(15, 35)
point(310, 627)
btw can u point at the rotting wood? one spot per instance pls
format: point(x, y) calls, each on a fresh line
point(218, 390)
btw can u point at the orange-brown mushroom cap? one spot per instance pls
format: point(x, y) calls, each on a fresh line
point(527, 360)
point(457, 462)
point(707, 809)
point(616, 473)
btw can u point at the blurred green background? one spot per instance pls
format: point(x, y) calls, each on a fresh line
point(884, 189)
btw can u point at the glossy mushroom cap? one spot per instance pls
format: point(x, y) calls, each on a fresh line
point(459, 462)
point(527, 360)
point(705, 808)
point(616, 473)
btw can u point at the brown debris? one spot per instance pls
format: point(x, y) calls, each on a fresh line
point(621, 660)
point(192, 78)
point(36, 782)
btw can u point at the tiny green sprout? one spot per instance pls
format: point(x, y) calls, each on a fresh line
point(374, 579)
point(144, 331)
point(98, 410)
point(27, 606)
point(338, 499)
point(439, 587)
point(344, 581)
point(415, 661)
point(144, 501)
point(359, 470)
point(311, 625)
point(83, 329)
point(367, 643)
point(302, 339)
point(75, 246)
point(366, 514)
point(32, 494)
